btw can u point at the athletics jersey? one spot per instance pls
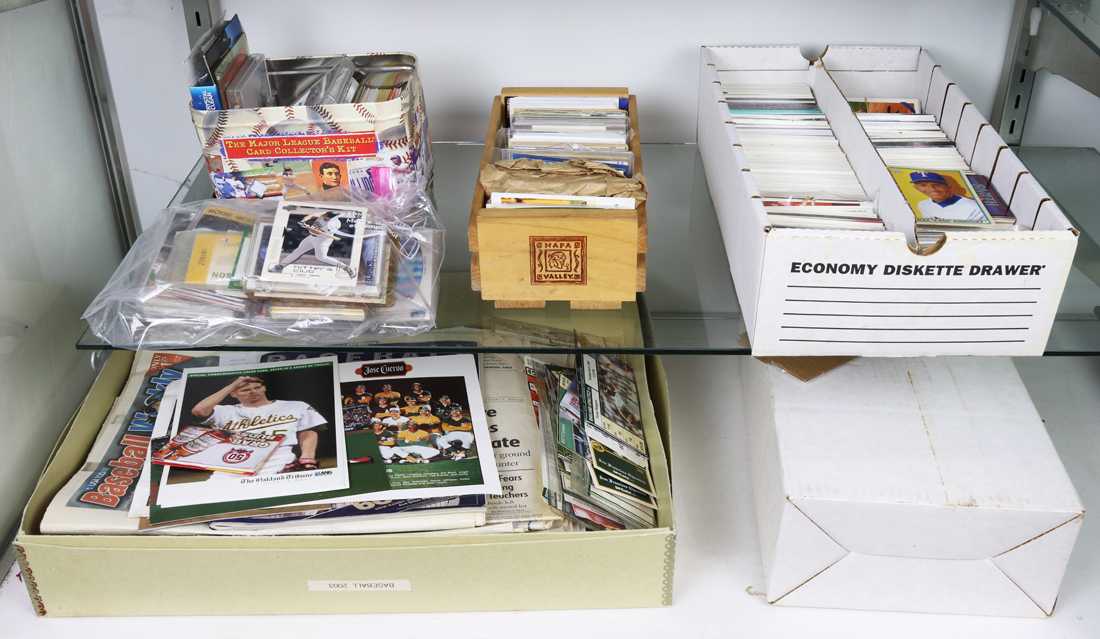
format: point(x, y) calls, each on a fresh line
point(443, 411)
point(280, 417)
point(431, 422)
point(389, 395)
point(410, 410)
point(419, 438)
point(461, 424)
point(399, 423)
point(385, 438)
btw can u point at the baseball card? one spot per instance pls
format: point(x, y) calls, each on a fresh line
point(371, 286)
point(610, 401)
point(203, 258)
point(941, 197)
point(315, 244)
point(299, 401)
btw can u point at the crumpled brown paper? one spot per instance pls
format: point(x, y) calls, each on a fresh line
point(572, 177)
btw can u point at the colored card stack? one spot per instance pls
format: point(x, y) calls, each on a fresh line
point(799, 168)
point(558, 128)
point(935, 179)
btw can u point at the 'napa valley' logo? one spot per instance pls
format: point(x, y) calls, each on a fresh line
point(384, 369)
point(559, 260)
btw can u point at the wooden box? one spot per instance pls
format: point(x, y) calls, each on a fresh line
point(604, 250)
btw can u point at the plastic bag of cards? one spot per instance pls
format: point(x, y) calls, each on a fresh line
point(330, 268)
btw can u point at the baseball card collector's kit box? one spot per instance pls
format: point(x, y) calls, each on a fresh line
point(813, 292)
point(299, 141)
point(117, 575)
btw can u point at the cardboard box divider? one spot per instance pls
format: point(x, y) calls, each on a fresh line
point(1009, 311)
point(502, 264)
point(89, 575)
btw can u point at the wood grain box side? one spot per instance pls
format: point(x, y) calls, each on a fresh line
point(502, 242)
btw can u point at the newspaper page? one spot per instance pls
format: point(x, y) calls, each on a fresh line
point(516, 442)
point(97, 498)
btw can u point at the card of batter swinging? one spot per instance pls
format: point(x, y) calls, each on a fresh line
point(317, 244)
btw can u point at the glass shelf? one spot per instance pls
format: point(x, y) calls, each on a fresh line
point(689, 306)
point(1081, 17)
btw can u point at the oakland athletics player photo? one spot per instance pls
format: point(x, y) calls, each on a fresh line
point(253, 411)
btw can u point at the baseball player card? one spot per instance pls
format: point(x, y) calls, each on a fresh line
point(315, 244)
point(299, 401)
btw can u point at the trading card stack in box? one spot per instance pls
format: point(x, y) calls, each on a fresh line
point(936, 180)
point(804, 177)
point(308, 253)
point(211, 273)
point(591, 427)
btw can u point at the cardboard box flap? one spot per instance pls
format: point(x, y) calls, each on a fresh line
point(970, 125)
point(986, 150)
point(953, 106)
point(937, 92)
point(787, 57)
point(1037, 567)
point(1006, 173)
point(1027, 199)
point(1051, 218)
point(934, 532)
point(871, 58)
point(802, 551)
point(868, 582)
point(966, 427)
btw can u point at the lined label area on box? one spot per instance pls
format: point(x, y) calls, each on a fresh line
point(862, 315)
point(382, 585)
point(827, 295)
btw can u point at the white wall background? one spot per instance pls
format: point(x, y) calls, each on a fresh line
point(58, 245)
point(469, 50)
point(1061, 114)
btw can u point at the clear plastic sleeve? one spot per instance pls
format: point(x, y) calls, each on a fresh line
point(329, 268)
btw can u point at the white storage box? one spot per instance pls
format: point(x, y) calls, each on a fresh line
point(921, 485)
point(826, 292)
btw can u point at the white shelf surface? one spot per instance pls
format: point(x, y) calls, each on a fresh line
point(718, 567)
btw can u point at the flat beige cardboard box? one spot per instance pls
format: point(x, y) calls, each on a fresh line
point(136, 575)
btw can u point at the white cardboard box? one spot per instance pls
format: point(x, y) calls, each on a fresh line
point(921, 485)
point(825, 292)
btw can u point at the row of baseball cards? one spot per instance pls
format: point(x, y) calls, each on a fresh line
point(589, 415)
point(560, 128)
point(802, 173)
point(936, 181)
point(278, 442)
point(329, 253)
